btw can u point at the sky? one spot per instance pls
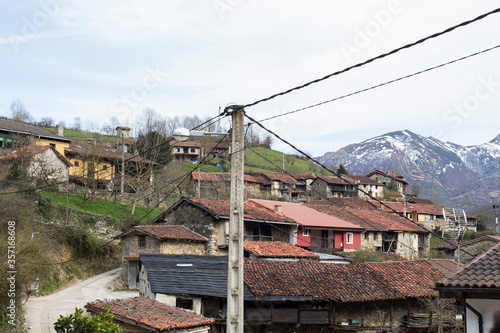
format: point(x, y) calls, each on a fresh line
point(101, 59)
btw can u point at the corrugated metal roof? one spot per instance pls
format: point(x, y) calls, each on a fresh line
point(187, 274)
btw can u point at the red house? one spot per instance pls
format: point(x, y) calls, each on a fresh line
point(318, 231)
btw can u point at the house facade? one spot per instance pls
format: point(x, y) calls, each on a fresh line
point(387, 177)
point(367, 187)
point(210, 218)
point(186, 152)
point(333, 187)
point(156, 239)
point(317, 231)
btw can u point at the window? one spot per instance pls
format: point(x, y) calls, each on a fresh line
point(193, 150)
point(184, 303)
point(349, 238)
point(141, 242)
point(104, 167)
point(375, 236)
point(305, 232)
point(77, 163)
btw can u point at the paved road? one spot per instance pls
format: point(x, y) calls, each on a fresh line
point(42, 312)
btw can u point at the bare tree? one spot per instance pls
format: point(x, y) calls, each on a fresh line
point(77, 124)
point(47, 122)
point(18, 111)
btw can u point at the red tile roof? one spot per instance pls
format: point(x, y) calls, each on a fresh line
point(343, 283)
point(430, 209)
point(278, 250)
point(453, 243)
point(333, 180)
point(303, 176)
point(308, 216)
point(282, 177)
point(371, 219)
point(166, 232)
point(361, 180)
point(220, 208)
point(482, 272)
point(226, 177)
point(150, 313)
point(186, 144)
point(104, 150)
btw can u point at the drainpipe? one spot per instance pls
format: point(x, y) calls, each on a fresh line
point(477, 313)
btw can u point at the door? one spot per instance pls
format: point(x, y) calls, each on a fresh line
point(133, 266)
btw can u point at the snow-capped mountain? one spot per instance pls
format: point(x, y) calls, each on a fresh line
point(451, 174)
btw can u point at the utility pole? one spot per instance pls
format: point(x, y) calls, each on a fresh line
point(235, 291)
point(122, 183)
point(495, 206)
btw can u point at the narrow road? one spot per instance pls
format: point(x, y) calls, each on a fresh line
point(42, 312)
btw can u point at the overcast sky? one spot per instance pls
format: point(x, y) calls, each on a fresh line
point(99, 59)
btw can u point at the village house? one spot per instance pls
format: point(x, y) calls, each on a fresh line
point(139, 314)
point(17, 134)
point(385, 232)
point(367, 187)
point(464, 252)
point(156, 239)
point(477, 287)
point(387, 177)
point(42, 163)
point(100, 164)
point(302, 296)
point(210, 218)
point(186, 152)
point(304, 181)
point(317, 231)
point(282, 186)
point(333, 187)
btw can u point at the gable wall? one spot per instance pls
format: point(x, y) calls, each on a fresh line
point(48, 165)
point(475, 249)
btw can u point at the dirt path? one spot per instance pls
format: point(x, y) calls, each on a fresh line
point(42, 312)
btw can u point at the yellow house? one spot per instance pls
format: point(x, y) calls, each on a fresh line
point(101, 164)
point(17, 134)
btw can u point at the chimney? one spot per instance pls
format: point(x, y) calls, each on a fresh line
point(394, 173)
point(277, 209)
point(388, 171)
point(59, 130)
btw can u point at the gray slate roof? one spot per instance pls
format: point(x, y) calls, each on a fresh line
point(13, 126)
point(482, 272)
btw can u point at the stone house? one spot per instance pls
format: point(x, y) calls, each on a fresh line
point(301, 296)
point(333, 187)
point(367, 187)
point(156, 239)
point(466, 251)
point(477, 287)
point(186, 152)
point(140, 314)
point(384, 232)
point(387, 177)
point(210, 218)
point(283, 186)
point(42, 163)
point(423, 211)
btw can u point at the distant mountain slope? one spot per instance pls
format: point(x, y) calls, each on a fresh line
point(448, 173)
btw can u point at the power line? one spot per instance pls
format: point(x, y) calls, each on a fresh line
point(383, 84)
point(340, 176)
point(420, 41)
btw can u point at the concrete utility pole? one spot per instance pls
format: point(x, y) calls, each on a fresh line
point(235, 291)
point(495, 206)
point(122, 182)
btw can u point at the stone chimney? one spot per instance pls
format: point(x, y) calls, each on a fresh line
point(277, 209)
point(394, 173)
point(388, 172)
point(59, 130)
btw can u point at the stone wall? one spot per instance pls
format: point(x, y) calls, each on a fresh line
point(474, 249)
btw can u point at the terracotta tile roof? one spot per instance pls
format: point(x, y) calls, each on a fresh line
point(482, 272)
point(308, 216)
point(257, 179)
point(371, 219)
point(445, 266)
point(430, 209)
point(448, 245)
point(278, 250)
point(165, 232)
point(195, 144)
point(332, 180)
point(220, 208)
point(108, 151)
point(362, 180)
point(150, 313)
point(282, 177)
point(212, 176)
point(340, 282)
point(303, 176)
point(31, 151)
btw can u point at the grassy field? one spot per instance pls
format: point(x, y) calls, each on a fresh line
point(81, 135)
point(104, 208)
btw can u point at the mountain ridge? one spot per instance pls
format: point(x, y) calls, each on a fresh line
point(445, 172)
